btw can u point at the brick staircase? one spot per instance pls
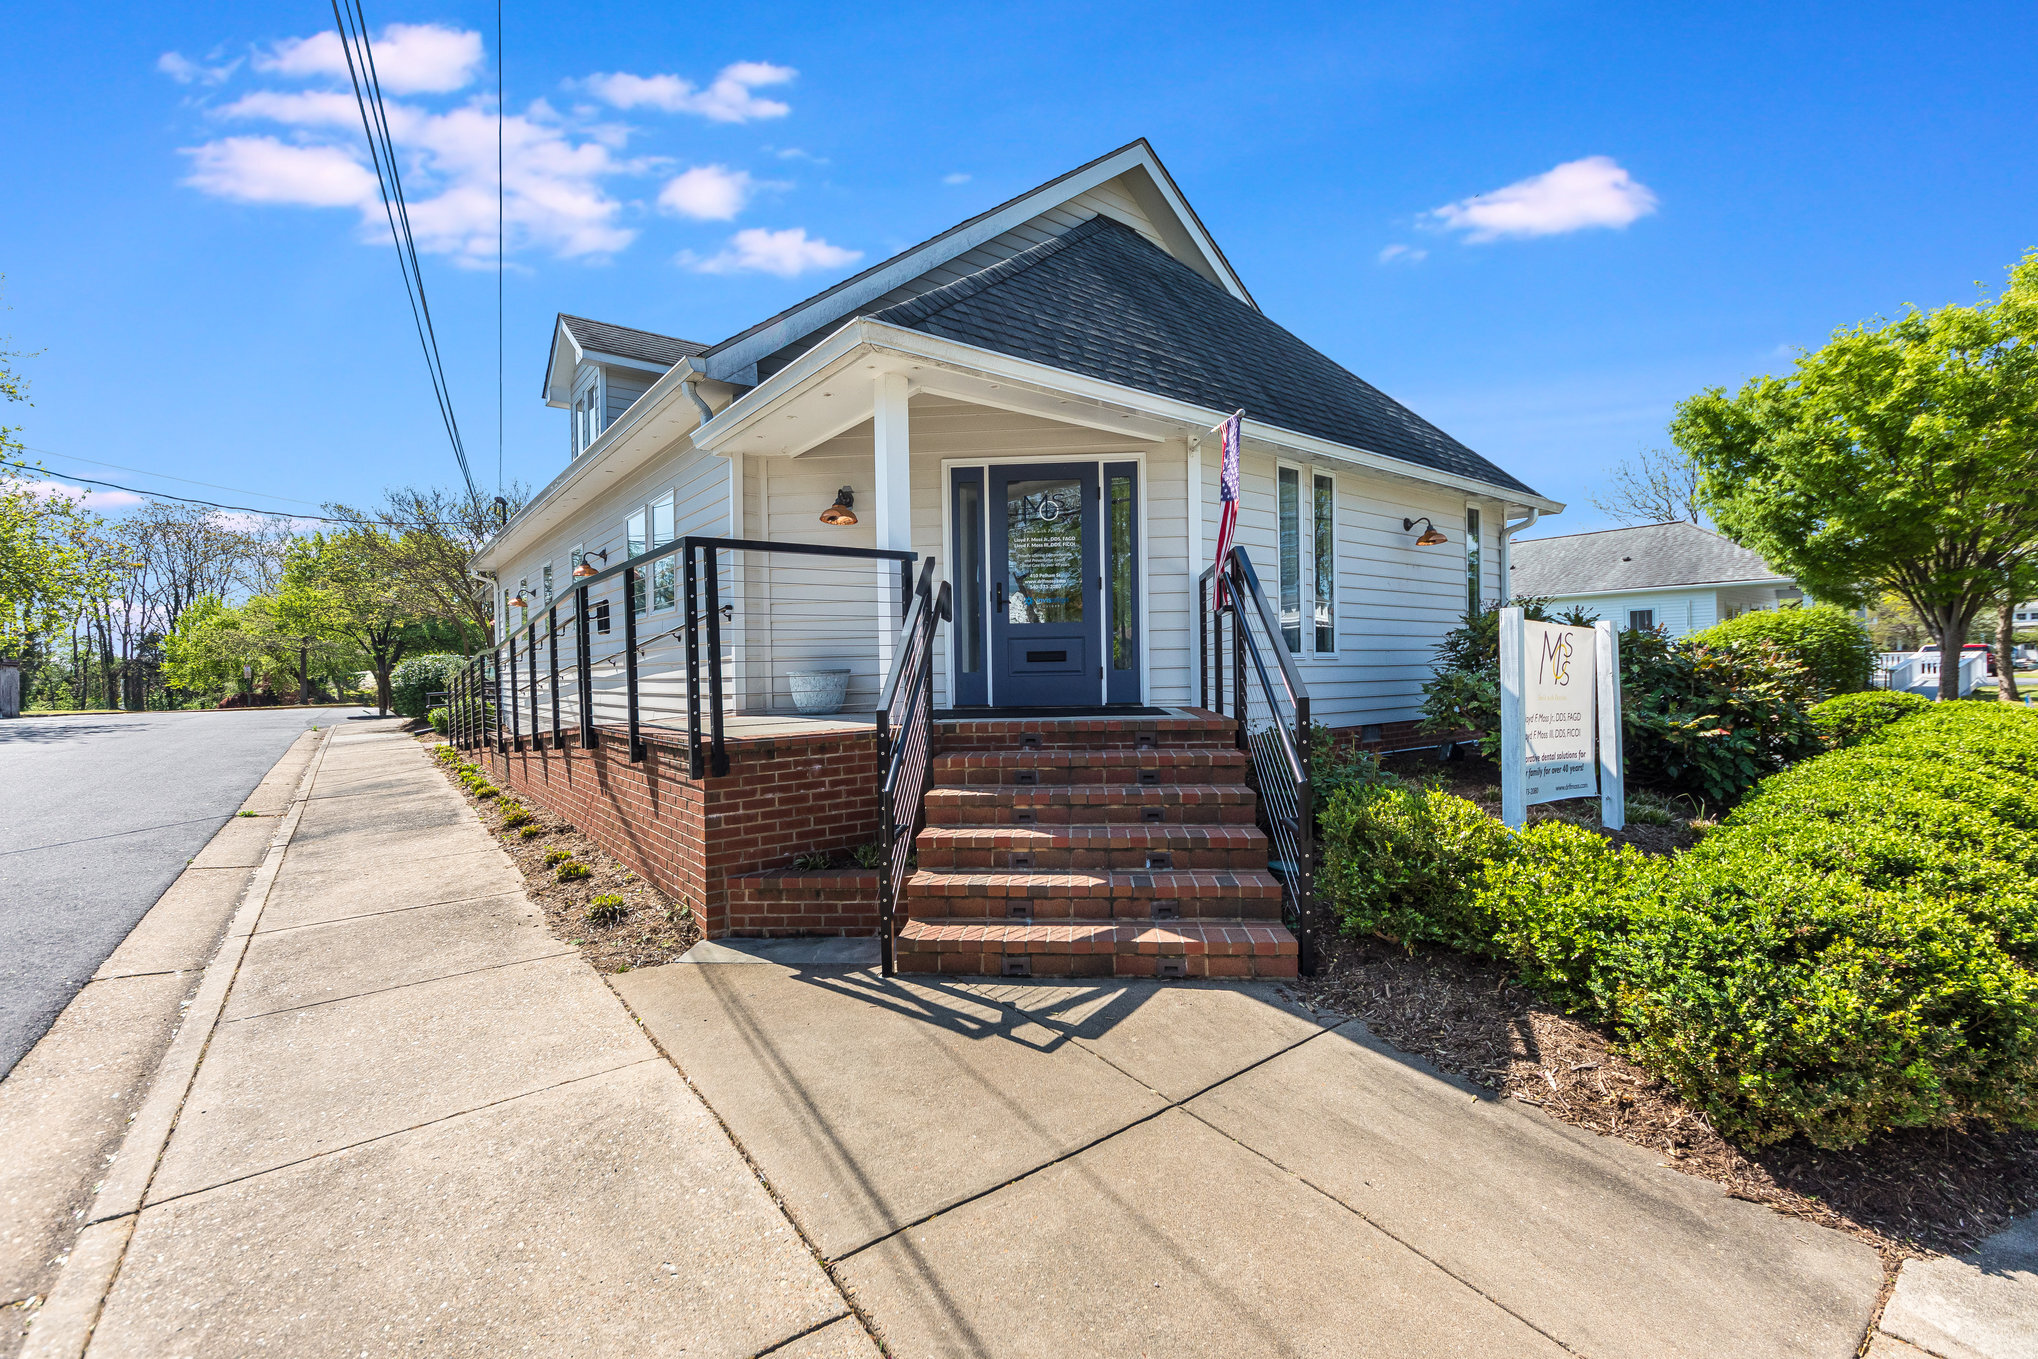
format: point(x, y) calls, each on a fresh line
point(1093, 847)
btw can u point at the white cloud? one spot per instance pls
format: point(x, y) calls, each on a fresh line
point(1407, 254)
point(957, 178)
point(264, 170)
point(85, 496)
point(710, 193)
point(409, 58)
point(554, 194)
point(785, 253)
point(1592, 192)
point(727, 99)
point(185, 71)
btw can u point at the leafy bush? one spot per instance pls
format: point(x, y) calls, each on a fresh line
point(1846, 718)
point(870, 855)
point(606, 908)
point(513, 815)
point(569, 871)
point(1402, 861)
point(532, 831)
point(1710, 721)
point(813, 862)
point(1333, 768)
point(1850, 951)
point(418, 676)
point(1830, 643)
point(557, 856)
point(439, 720)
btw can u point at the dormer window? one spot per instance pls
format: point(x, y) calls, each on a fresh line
point(590, 414)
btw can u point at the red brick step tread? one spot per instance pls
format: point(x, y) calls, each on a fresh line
point(1232, 948)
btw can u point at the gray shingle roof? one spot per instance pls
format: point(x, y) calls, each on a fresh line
point(1104, 301)
point(663, 350)
point(1651, 556)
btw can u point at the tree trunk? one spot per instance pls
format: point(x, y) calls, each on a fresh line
point(1952, 637)
point(304, 676)
point(2006, 650)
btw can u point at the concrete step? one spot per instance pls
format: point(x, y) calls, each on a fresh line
point(1130, 847)
point(1120, 766)
point(1188, 727)
point(1097, 948)
point(1067, 804)
point(1199, 895)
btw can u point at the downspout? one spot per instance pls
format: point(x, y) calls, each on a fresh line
point(693, 372)
point(1507, 532)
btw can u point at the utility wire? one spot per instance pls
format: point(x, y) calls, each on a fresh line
point(501, 245)
point(352, 22)
point(145, 472)
point(216, 505)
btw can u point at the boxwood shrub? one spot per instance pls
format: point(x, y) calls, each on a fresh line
point(410, 682)
point(1830, 643)
point(1851, 950)
point(1846, 718)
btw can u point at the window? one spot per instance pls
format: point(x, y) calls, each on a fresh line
point(1641, 620)
point(1289, 484)
point(662, 570)
point(633, 547)
point(1324, 567)
point(1472, 590)
point(589, 414)
point(969, 555)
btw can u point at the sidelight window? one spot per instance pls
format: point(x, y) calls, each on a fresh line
point(1289, 486)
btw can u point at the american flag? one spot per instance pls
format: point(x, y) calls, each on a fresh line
point(1227, 492)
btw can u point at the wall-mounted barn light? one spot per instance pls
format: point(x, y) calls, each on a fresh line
point(1430, 537)
point(840, 512)
point(517, 600)
point(585, 568)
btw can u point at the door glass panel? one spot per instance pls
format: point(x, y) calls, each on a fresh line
point(969, 552)
point(1044, 551)
point(1291, 557)
point(1119, 498)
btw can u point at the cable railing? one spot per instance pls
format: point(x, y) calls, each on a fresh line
point(682, 636)
point(1272, 708)
point(905, 743)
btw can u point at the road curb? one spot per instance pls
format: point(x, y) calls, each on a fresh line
point(62, 1327)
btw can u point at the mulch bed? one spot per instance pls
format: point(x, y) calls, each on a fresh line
point(1907, 1193)
point(653, 929)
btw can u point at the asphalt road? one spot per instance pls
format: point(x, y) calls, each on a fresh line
point(98, 815)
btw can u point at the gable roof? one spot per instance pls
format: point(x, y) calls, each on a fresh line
point(1101, 300)
point(1136, 161)
point(1650, 556)
point(624, 342)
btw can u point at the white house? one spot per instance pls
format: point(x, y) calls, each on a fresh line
point(1676, 576)
point(1077, 343)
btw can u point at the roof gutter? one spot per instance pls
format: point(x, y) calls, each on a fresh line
point(691, 371)
point(1507, 532)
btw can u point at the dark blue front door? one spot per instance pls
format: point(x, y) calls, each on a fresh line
point(1046, 623)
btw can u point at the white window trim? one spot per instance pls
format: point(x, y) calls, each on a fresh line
point(1481, 509)
point(587, 410)
point(1305, 528)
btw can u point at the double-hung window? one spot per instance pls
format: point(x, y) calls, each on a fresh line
point(1472, 591)
point(662, 570)
point(588, 412)
point(633, 547)
point(1307, 567)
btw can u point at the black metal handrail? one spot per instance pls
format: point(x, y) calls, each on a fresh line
point(905, 743)
point(1273, 726)
point(490, 689)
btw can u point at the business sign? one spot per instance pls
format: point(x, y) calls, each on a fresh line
point(1560, 727)
point(1560, 731)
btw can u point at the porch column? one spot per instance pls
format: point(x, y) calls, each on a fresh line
point(891, 500)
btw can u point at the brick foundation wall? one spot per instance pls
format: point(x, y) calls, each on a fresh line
point(688, 837)
point(1387, 737)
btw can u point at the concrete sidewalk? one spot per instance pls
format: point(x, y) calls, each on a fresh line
point(402, 1116)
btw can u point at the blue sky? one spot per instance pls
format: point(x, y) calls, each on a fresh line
point(184, 244)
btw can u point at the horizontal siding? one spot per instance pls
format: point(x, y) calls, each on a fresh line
point(1683, 612)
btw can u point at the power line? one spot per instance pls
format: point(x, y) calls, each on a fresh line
point(352, 22)
point(238, 509)
point(145, 472)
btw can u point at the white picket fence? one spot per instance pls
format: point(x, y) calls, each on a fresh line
point(1917, 674)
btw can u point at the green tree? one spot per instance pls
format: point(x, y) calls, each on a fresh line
point(382, 611)
point(1901, 456)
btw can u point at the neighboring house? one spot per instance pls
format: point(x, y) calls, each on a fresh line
point(1675, 576)
point(1026, 399)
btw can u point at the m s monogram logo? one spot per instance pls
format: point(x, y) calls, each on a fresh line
point(1555, 666)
